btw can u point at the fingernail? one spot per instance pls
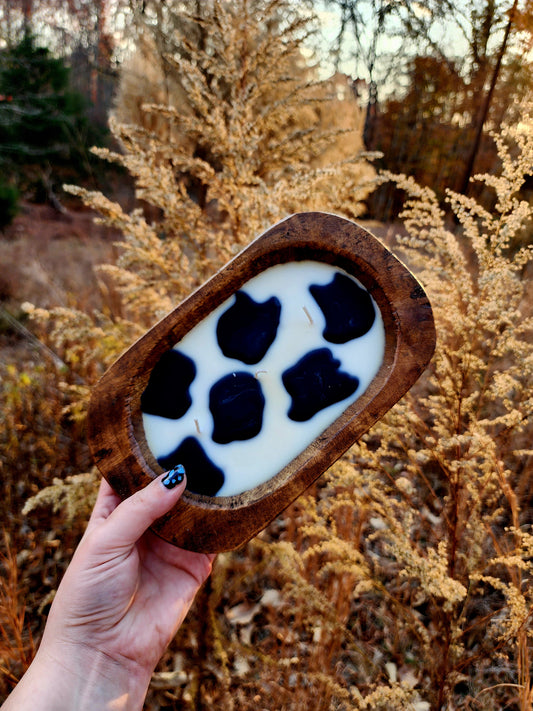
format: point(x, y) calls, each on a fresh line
point(174, 477)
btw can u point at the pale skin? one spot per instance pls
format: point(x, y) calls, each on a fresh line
point(121, 601)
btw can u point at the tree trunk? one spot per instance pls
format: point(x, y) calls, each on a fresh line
point(469, 168)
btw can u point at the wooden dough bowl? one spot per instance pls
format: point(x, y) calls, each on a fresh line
point(214, 524)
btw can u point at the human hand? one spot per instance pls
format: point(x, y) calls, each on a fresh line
point(123, 597)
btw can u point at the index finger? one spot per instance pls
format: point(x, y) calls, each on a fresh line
point(106, 502)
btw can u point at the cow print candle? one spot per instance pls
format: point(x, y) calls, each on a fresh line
point(262, 376)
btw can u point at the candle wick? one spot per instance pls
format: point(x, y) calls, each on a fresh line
point(308, 315)
point(196, 424)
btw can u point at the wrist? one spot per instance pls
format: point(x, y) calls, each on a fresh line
point(63, 677)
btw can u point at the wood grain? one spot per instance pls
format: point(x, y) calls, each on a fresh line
point(214, 524)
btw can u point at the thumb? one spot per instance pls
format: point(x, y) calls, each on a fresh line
point(133, 516)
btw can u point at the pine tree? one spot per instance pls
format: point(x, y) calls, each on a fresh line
point(40, 115)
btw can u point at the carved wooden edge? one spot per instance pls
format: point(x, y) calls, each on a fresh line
point(214, 524)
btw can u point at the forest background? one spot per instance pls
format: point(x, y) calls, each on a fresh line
point(402, 580)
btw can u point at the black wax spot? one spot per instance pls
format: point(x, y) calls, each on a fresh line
point(203, 477)
point(315, 383)
point(236, 402)
point(348, 309)
point(167, 392)
point(248, 328)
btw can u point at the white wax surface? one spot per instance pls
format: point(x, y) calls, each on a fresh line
point(249, 463)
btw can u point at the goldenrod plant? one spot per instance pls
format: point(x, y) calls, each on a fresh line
point(250, 139)
point(408, 571)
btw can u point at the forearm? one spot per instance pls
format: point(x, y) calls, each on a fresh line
point(79, 680)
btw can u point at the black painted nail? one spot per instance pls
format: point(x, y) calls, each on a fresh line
point(174, 477)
